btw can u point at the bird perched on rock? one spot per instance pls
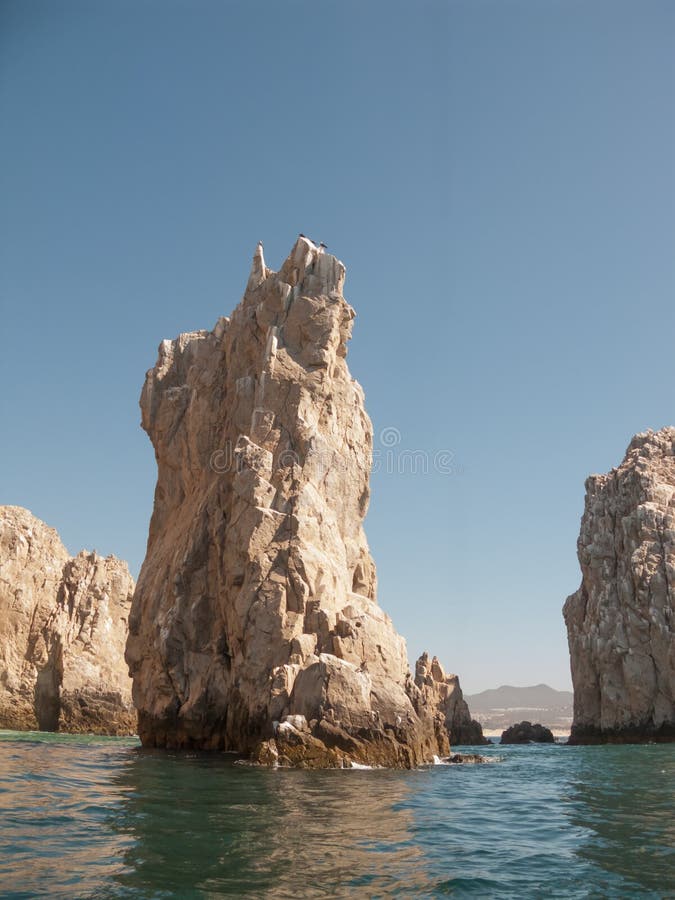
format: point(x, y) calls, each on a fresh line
point(322, 246)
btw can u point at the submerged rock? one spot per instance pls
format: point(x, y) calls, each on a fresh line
point(467, 759)
point(63, 627)
point(255, 625)
point(443, 694)
point(527, 733)
point(621, 622)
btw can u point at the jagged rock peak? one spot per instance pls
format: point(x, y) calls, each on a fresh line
point(63, 628)
point(621, 622)
point(255, 625)
point(307, 264)
point(443, 696)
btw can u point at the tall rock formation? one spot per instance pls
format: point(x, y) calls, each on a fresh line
point(620, 623)
point(255, 625)
point(63, 628)
point(443, 695)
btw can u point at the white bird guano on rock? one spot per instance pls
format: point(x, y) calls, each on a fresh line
point(255, 625)
point(621, 621)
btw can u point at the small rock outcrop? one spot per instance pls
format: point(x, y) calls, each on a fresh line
point(527, 733)
point(443, 694)
point(63, 628)
point(255, 625)
point(621, 621)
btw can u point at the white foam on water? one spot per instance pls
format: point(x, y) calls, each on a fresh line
point(465, 761)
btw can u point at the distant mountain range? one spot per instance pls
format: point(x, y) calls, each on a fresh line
point(538, 696)
point(497, 708)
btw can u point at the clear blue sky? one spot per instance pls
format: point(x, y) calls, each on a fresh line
point(498, 177)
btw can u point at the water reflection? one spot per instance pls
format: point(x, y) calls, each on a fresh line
point(202, 827)
point(55, 797)
point(100, 819)
point(623, 798)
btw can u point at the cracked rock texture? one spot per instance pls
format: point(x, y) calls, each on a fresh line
point(620, 621)
point(63, 628)
point(255, 625)
point(443, 694)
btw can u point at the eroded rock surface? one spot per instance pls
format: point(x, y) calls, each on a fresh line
point(620, 623)
point(255, 625)
point(63, 628)
point(442, 694)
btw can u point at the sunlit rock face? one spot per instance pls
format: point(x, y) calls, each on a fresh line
point(443, 695)
point(255, 625)
point(63, 628)
point(620, 623)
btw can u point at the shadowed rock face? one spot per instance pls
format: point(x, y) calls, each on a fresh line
point(620, 623)
point(443, 695)
point(527, 733)
point(63, 627)
point(255, 625)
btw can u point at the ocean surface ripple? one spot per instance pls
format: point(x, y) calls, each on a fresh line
point(101, 818)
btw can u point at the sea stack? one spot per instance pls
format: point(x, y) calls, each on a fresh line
point(63, 628)
point(621, 622)
point(443, 694)
point(255, 625)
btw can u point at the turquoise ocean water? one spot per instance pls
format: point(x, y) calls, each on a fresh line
point(100, 818)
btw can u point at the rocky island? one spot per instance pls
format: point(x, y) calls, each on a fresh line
point(255, 625)
point(63, 628)
point(527, 733)
point(621, 621)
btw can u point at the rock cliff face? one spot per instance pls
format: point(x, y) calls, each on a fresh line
point(63, 627)
point(255, 625)
point(620, 623)
point(443, 695)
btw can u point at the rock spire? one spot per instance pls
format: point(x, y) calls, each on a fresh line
point(255, 625)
